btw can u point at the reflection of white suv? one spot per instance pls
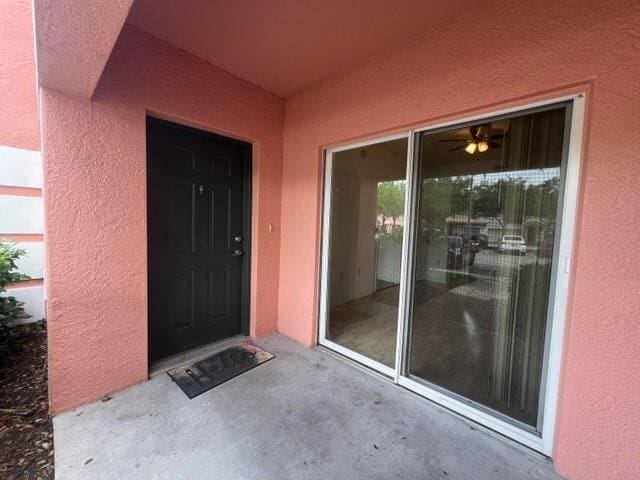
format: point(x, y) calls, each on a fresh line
point(513, 243)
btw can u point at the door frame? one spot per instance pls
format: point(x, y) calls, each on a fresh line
point(562, 276)
point(247, 158)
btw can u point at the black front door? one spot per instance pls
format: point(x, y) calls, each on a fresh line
point(197, 235)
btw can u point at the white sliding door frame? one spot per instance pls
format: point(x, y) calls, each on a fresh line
point(541, 440)
point(324, 267)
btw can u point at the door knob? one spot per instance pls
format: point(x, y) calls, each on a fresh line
point(237, 252)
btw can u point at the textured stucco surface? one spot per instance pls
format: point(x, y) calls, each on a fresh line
point(95, 181)
point(307, 41)
point(18, 107)
point(74, 39)
point(513, 50)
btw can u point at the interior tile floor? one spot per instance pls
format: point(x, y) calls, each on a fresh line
point(304, 415)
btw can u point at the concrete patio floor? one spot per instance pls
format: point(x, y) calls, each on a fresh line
point(305, 414)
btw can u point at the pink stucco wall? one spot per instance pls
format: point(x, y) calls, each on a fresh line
point(74, 39)
point(511, 53)
point(95, 206)
point(18, 107)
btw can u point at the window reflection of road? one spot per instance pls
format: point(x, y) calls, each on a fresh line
point(491, 263)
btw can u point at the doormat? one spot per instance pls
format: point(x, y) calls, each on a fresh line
point(212, 371)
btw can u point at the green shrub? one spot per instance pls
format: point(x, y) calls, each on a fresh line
point(10, 308)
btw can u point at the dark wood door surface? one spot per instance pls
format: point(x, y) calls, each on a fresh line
point(196, 237)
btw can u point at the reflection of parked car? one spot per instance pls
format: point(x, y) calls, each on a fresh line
point(483, 239)
point(474, 243)
point(512, 243)
point(460, 254)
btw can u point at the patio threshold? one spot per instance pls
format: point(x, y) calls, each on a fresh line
point(304, 414)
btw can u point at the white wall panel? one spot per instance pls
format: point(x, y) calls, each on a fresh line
point(33, 298)
point(20, 168)
point(21, 214)
point(32, 263)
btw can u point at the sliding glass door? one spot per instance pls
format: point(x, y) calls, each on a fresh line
point(487, 224)
point(365, 210)
point(441, 249)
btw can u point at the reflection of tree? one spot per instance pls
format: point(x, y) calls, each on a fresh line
point(390, 201)
point(442, 197)
point(511, 199)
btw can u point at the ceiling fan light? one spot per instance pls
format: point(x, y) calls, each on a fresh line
point(483, 146)
point(471, 148)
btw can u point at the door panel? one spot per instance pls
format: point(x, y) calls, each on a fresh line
point(486, 233)
point(181, 158)
point(198, 256)
point(218, 293)
point(219, 165)
point(365, 249)
point(219, 226)
point(181, 201)
point(179, 299)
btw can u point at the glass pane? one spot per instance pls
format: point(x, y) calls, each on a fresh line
point(367, 222)
point(488, 200)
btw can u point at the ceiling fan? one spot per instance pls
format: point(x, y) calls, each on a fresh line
point(482, 138)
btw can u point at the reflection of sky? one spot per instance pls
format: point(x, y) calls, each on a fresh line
point(532, 176)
